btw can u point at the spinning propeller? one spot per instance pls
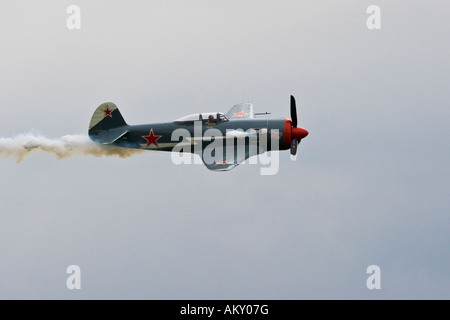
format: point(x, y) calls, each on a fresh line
point(297, 134)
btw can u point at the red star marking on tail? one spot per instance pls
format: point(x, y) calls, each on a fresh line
point(108, 113)
point(151, 138)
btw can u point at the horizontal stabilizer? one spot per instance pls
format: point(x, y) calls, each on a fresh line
point(109, 136)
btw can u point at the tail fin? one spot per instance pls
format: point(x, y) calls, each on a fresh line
point(107, 124)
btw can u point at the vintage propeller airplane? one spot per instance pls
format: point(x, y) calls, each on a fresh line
point(238, 127)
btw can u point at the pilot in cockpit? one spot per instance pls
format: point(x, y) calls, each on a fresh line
point(211, 119)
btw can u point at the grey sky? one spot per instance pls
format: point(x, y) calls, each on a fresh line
point(370, 185)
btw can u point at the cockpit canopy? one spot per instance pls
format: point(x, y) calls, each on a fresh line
point(204, 117)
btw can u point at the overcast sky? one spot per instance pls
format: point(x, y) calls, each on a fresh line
point(370, 185)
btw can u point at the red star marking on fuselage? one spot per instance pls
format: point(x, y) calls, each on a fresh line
point(239, 114)
point(108, 113)
point(151, 138)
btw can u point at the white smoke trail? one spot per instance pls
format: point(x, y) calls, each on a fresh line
point(66, 146)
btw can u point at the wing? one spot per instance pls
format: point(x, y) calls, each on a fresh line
point(220, 167)
point(231, 159)
point(229, 162)
point(241, 111)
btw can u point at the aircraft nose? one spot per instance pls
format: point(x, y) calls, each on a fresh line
point(299, 133)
